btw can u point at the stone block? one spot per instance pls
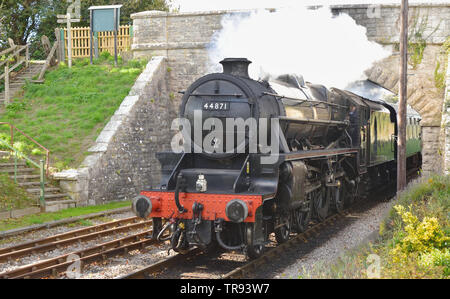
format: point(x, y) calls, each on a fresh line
point(25, 212)
point(5, 215)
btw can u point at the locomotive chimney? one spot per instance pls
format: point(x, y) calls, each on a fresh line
point(236, 66)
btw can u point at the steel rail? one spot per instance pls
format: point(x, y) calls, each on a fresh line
point(47, 246)
point(238, 272)
point(66, 235)
point(242, 271)
point(100, 252)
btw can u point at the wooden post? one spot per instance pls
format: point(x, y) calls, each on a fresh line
point(401, 114)
point(69, 42)
point(27, 58)
point(7, 84)
point(91, 37)
point(96, 52)
point(58, 40)
point(42, 185)
point(115, 36)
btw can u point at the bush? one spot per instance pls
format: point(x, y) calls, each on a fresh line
point(418, 236)
point(418, 232)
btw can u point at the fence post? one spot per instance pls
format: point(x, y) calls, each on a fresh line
point(69, 41)
point(62, 44)
point(27, 54)
point(96, 45)
point(7, 84)
point(15, 167)
point(42, 181)
point(58, 52)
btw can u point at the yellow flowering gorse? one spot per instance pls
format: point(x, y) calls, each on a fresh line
point(422, 237)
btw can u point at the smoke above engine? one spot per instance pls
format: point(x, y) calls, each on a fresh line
point(325, 49)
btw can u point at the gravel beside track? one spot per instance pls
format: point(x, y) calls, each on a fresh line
point(332, 243)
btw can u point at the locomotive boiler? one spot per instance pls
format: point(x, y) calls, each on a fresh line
point(266, 156)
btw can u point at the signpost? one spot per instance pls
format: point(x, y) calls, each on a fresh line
point(68, 20)
point(104, 18)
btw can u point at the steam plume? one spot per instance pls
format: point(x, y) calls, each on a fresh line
point(328, 50)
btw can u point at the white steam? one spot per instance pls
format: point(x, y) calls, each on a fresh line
point(328, 50)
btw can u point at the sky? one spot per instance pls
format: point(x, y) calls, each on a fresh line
point(204, 5)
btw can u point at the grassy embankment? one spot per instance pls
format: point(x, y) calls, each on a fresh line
point(11, 196)
point(414, 239)
point(65, 114)
point(67, 213)
point(68, 111)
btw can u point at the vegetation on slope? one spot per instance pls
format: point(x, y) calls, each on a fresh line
point(12, 196)
point(8, 224)
point(414, 239)
point(68, 111)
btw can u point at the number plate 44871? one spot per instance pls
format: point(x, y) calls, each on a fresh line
point(212, 106)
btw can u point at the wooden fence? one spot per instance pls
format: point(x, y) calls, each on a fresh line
point(81, 43)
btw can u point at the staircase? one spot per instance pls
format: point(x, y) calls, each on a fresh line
point(20, 79)
point(29, 179)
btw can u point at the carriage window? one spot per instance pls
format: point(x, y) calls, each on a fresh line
point(414, 128)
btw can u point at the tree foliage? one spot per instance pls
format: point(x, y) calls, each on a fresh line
point(25, 21)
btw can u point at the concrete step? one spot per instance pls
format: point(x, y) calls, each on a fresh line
point(54, 206)
point(46, 189)
point(19, 164)
point(26, 177)
point(55, 196)
point(4, 153)
point(55, 202)
point(19, 170)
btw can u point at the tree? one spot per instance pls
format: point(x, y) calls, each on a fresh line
point(25, 21)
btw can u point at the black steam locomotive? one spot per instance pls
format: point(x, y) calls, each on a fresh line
point(318, 149)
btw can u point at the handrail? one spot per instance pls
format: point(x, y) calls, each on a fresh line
point(18, 61)
point(12, 128)
point(40, 79)
point(8, 50)
point(15, 53)
point(41, 171)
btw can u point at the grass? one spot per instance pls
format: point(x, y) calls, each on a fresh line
point(8, 224)
point(12, 196)
point(414, 239)
point(68, 111)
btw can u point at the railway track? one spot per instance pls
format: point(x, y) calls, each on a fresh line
point(239, 268)
point(55, 265)
point(75, 236)
point(241, 272)
point(244, 267)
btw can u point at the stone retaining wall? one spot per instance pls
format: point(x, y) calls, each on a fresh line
point(122, 162)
